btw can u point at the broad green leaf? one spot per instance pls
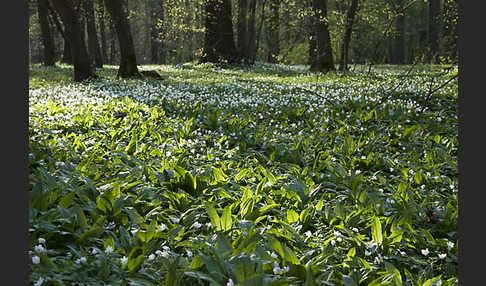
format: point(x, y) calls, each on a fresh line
point(292, 216)
point(376, 232)
point(226, 219)
point(213, 216)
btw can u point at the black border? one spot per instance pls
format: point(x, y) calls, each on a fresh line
point(471, 147)
point(14, 210)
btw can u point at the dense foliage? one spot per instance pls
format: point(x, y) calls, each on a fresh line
point(264, 175)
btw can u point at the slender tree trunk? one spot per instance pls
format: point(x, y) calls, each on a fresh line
point(219, 45)
point(128, 58)
point(399, 42)
point(250, 46)
point(101, 23)
point(260, 26)
point(93, 44)
point(82, 66)
point(323, 61)
point(242, 40)
point(156, 13)
point(47, 39)
point(347, 34)
point(434, 12)
point(273, 32)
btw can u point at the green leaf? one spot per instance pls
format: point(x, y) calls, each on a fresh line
point(241, 174)
point(109, 242)
point(292, 216)
point(196, 262)
point(349, 281)
point(226, 219)
point(219, 176)
point(213, 216)
point(67, 200)
point(376, 232)
point(432, 280)
point(135, 258)
point(397, 277)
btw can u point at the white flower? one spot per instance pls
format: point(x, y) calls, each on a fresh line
point(367, 253)
point(166, 248)
point(162, 227)
point(339, 239)
point(286, 269)
point(197, 225)
point(39, 282)
point(158, 252)
point(151, 257)
point(189, 253)
point(35, 259)
point(442, 255)
point(230, 282)
point(333, 242)
point(355, 229)
point(174, 220)
point(41, 240)
point(109, 249)
point(276, 270)
point(80, 260)
point(308, 233)
point(273, 255)
point(450, 245)
point(358, 172)
point(124, 260)
point(39, 248)
point(164, 254)
point(94, 251)
point(425, 251)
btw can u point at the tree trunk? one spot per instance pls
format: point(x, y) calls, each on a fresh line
point(242, 40)
point(399, 43)
point(323, 61)
point(347, 35)
point(156, 13)
point(128, 58)
point(93, 44)
point(273, 32)
point(82, 66)
point(47, 39)
point(434, 11)
point(101, 23)
point(251, 44)
point(219, 45)
point(258, 36)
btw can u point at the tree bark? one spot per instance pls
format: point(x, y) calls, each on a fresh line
point(101, 23)
point(82, 66)
point(350, 16)
point(128, 58)
point(251, 44)
point(259, 34)
point(93, 44)
point(399, 43)
point(47, 39)
point(273, 32)
point(434, 11)
point(156, 13)
point(66, 55)
point(323, 61)
point(219, 45)
point(242, 39)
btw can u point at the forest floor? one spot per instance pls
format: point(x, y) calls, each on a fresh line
point(263, 175)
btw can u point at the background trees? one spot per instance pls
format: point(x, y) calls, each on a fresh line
point(177, 31)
